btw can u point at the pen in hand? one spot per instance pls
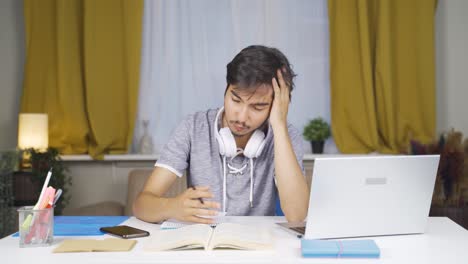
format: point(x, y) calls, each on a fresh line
point(199, 198)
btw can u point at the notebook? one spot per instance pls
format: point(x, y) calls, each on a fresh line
point(365, 248)
point(90, 245)
point(375, 195)
point(201, 236)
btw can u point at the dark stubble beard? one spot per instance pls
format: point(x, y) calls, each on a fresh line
point(261, 127)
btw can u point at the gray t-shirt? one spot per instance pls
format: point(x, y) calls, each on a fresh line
point(193, 147)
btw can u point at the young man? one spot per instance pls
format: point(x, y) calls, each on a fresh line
point(238, 157)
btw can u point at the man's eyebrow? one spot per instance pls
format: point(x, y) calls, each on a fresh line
point(236, 95)
point(261, 104)
point(255, 104)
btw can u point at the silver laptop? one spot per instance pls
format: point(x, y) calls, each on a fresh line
point(369, 196)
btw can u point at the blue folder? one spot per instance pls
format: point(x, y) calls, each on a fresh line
point(83, 225)
point(365, 248)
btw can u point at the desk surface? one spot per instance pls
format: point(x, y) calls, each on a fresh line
point(443, 242)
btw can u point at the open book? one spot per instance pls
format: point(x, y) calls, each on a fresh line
point(200, 236)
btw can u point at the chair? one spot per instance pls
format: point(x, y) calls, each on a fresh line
point(278, 211)
point(136, 181)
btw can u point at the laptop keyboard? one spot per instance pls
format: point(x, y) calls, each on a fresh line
point(299, 229)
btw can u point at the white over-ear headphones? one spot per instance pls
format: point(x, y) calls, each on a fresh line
point(227, 143)
point(228, 148)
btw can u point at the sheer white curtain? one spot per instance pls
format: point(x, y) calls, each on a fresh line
point(187, 44)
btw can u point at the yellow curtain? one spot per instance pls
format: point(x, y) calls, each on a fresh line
point(382, 73)
point(82, 68)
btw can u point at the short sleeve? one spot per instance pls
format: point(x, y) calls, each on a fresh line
point(175, 153)
point(297, 144)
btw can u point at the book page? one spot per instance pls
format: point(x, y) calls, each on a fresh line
point(187, 237)
point(231, 235)
point(174, 223)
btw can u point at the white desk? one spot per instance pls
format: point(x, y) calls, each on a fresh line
point(444, 242)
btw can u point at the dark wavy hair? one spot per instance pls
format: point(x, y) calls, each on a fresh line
point(257, 65)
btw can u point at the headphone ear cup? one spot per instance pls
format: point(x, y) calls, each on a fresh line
point(230, 147)
point(254, 147)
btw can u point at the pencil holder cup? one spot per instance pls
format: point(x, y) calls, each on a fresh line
point(36, 227)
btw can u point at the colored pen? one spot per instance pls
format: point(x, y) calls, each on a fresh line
point(44, 187)
point(57, 195)
point(28, 222)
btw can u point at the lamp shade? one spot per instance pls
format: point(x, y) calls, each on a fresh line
point(33, 131)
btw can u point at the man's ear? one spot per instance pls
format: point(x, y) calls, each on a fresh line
point(272, 100)
point(265, 124)
point(269, 111)
point(227, 87)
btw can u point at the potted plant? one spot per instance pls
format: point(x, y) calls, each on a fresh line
point(317, 131)
point(450, 196)
point(8, 163)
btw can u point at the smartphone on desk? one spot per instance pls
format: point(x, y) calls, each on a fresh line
point(124, 231)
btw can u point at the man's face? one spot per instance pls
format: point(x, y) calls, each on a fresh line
point(245, 110)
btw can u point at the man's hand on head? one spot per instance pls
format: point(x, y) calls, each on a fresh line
point(281, 100)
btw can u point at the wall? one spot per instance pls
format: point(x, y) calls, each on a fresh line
point(452, 64)
point(11, 69)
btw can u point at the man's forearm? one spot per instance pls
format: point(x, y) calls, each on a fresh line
point(291, 183)
point(151, 208)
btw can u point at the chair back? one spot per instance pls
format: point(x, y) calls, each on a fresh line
point(136, 181)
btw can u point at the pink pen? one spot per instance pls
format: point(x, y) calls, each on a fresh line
point(44, 218)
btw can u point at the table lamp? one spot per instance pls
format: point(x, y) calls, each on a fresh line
point(33, 132)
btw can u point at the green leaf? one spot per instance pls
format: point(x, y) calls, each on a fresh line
point(316, 130)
